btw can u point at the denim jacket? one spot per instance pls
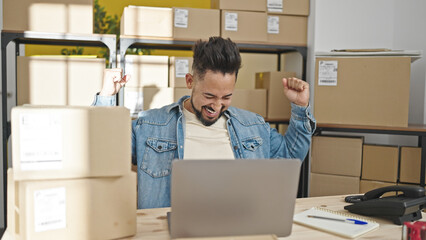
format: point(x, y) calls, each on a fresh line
point(158, 138)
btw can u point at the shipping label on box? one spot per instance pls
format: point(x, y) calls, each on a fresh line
point(178, 68)
point(380, 163)
point(350, 90)
point(244, 26)
point(288, 7)
point(337, 155)
point(70, 142)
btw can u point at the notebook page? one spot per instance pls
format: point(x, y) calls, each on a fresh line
point(343, 229)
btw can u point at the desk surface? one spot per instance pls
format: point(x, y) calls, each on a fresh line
point(152, 223)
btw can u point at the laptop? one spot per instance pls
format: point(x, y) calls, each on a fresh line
point(233, 197)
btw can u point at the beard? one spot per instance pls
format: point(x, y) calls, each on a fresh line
point(205, 122)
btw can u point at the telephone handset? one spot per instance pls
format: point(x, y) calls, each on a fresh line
point(406, 206)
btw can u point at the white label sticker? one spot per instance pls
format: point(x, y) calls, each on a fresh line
point(181, 18)
point(50, 209)
point(231, 21)
point(181, 67)
point(275, 5)
point(134, 102)
point(273, 24)
point(327, 73)
point(40, 141)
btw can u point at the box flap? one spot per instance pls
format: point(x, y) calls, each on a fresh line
point(414, 54)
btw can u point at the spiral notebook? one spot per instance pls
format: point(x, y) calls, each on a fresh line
point(343, 229)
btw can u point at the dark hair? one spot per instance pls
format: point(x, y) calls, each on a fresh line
point(218, 55)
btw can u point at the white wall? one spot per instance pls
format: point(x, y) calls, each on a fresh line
point(394, 24)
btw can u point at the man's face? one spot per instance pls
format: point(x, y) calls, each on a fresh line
point(211, 96)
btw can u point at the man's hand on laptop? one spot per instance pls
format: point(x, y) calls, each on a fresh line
point(297, 91)
point(113, 81)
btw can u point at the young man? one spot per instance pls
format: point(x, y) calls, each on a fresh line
point(204, 125)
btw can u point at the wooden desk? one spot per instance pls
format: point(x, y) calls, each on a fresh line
point(152, 223)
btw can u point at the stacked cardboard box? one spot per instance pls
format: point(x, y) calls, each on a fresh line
point(380, 163)
point(59, 16)
point(70, 178)
point(362, 90)
point(335, 165)
point(409, 171)
point(288, 22)
point(278, 106)
point(177, 23)
point(58, 80)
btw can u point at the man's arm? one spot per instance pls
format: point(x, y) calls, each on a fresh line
point(112, 83)
point(295, 143)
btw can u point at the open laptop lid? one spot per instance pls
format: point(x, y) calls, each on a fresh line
point(236, 197)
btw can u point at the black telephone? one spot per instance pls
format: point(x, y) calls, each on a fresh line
point(399, 208)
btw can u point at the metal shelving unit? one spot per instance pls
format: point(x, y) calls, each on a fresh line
point(411, 130)
point(126, 42)
point(27, 37)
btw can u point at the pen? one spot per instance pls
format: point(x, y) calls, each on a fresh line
point(347, 220)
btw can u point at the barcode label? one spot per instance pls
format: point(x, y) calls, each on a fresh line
point(40, 138)
point(275, 5)
point(231, 21)
point(49, 209)
point(181, 18)
point(181, 67)
point(273, 24)
point(327, 73)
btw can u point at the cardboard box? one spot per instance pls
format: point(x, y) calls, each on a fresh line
point(337, 155)
point(279, 107)
point(70, 142)
point(362, 90)
point(328, 185)
point(288, 7)
point(250, 100)
point(380, 163)
point(138, 99)
point(195, 23)
point(147, 70)
point(58, 80)
point(178, 68)
point(87, 208)
point(288, 30)
point(409, 171)
point(367, 185)
point(58, 16)
point(242, 26)
point(243, 5)
point(252, 63)
point(282, 128)
point(179, 23)
point(147, 21)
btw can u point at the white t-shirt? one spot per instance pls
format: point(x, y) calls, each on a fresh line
point(203, 142)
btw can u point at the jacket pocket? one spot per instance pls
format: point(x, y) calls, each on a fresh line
point(252, 143)
point(158, 156)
